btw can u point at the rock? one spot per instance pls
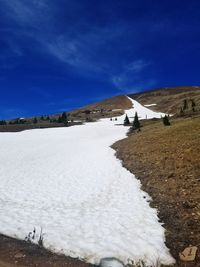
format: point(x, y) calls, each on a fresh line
point(188, 254)
point(111, 262)
point(19, 255)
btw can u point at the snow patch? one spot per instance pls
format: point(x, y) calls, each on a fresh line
point(150, 105)
point(69, 182)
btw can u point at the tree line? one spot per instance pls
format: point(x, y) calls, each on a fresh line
point(63, 118)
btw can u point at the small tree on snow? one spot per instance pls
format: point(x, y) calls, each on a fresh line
point(126, 121)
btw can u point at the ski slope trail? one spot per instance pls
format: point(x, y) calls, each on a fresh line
point(68, 182)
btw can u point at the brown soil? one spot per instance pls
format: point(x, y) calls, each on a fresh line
point(167, 161)
point(117, 102)
point(111, 107)
point(22, 254)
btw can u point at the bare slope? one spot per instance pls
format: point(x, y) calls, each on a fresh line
point(111, 107)
point(166, 160)
point(169, 100)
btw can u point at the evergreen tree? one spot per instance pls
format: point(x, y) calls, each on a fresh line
point(185, 104)
point(126, 121)
point(166, 120)
point(64, 117)
point(35, 120)
point(16, 121)
point(42, 118)
point(136, 123)
point(3, 122)
point(60, 119)
point(181, 111)
point(193, 104)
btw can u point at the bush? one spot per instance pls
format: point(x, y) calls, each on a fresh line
point(166, 120)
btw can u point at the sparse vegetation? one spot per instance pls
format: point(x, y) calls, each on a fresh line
point(166, 160)
point(31, 238)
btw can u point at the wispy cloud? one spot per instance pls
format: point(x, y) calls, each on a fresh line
point(21, 11)
point(134, 76)
point(137, 66)
point(88, 52)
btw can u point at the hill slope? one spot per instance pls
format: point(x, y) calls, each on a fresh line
point(169, 99)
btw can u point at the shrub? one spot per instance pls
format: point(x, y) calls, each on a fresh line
point(166, 120)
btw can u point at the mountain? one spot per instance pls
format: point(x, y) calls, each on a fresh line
point(182, 100)
point(168, 99)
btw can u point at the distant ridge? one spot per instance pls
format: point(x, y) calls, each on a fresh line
point(168, 99)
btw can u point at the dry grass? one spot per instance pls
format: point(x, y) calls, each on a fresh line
point(169, 100)
point(167, 161)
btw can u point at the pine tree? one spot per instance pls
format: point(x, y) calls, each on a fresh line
point(126, 121)
point(136, 123)
point(35, 120)
point(193, 104)
point(3, 122)
point(60, 119)
point(185, 104)
point(64, 117)
point(181, 111)
point(166, 120)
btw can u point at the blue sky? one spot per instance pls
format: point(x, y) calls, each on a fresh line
point(57, 55)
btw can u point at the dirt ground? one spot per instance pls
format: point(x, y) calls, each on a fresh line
point(22, 254)
point(167, 161)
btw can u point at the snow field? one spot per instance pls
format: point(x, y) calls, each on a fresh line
point(69, 182)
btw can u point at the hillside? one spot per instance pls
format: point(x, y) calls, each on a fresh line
point(68, 182)
point(110, 107)
point(169, 100)
point(165, 160)
point(104, 109)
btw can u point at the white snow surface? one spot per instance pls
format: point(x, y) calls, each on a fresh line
point(69, 182)
point(150, 105)
point(143, 112)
